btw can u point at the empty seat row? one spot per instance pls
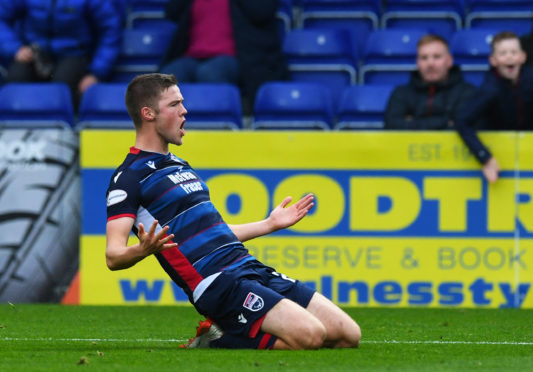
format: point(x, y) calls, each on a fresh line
point(279, 105)
point(329, 56)
point(306, 105)
point(363, 16)
point(441, 17)
point(328, 52)
point(212, 106)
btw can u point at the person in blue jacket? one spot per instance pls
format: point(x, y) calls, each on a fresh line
point(72, 41)
point(504, 100)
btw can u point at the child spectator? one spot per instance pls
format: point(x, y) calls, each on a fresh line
point(504, 100)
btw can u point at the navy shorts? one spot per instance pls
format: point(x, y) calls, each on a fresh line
point(239, 298)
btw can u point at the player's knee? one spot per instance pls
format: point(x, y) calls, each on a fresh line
point(314, 336)
point(354, 337)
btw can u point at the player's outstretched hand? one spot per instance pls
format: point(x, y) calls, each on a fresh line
point(283, 216)
point(151, 243)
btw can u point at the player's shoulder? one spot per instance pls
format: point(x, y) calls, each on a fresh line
point(126, 174)
point(124, 183)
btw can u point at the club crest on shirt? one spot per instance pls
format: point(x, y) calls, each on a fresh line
point(253, 302)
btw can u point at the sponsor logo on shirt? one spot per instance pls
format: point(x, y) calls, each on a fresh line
point(151, 164)
point(116, 196)
point(191, 187)
point(179, 177)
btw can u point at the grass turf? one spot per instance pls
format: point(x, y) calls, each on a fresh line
point(145, 338)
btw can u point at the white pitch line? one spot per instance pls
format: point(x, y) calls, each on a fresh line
point(443, 342)
point(90, 339)
point(148, 340)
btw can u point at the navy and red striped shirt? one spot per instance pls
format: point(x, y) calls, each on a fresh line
point(151, 186)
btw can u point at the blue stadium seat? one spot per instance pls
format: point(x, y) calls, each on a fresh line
point(508, 15)
point(327, 56)
point(147, 5)
point(103, 106)
point(293, 105)
point(472, 46)
point(389, 56)
point(144, 10)
point(284, 18)
point(471, 49)
point(212, 106)
point(36, 105)
point(474, 75)
point(141, 52)
point(434, 16)
point(360, 17)
point(363, 107)
point(153, 22)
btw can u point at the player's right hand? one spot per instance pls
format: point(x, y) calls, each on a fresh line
point(151, 243)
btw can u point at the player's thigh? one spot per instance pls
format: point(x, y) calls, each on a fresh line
point(295, 325)
point(341, 329)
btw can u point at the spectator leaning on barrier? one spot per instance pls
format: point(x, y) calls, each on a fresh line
point(504, 100)
point(232, 41)
point(70, 41)
point(434, 94)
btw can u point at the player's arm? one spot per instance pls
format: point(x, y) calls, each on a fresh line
point(280, 218)
point(121, 256)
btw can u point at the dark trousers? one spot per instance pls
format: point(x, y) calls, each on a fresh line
point(68, 70)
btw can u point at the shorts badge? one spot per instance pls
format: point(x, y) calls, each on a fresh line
point(253, 302)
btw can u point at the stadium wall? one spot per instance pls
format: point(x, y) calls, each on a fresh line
point(401, 219)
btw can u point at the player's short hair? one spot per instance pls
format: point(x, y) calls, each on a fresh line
point(501, 36)
point(145, 91)
point(431, 38)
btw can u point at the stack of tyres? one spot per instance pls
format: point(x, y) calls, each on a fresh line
point(39, 214)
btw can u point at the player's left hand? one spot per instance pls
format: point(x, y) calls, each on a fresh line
point(283, 216)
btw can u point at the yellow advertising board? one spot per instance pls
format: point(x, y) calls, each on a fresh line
point(401, 218)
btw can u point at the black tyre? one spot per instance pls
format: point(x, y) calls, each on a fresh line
point(39, 214)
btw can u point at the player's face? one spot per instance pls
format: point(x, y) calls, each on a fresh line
point(434, 61)
point(507, 58)
point(170, 121)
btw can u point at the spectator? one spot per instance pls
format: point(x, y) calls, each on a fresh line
point(505, 99)
point(75, 41)
point(434, 94)
point(233, 41)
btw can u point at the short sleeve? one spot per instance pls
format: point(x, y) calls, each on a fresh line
point(123, 196)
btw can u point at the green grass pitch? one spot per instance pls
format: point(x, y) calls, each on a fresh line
point(146, 338)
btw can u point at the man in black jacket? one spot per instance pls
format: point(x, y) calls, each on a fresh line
point(232, 41)
point(434, 94)
point(504, 100)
